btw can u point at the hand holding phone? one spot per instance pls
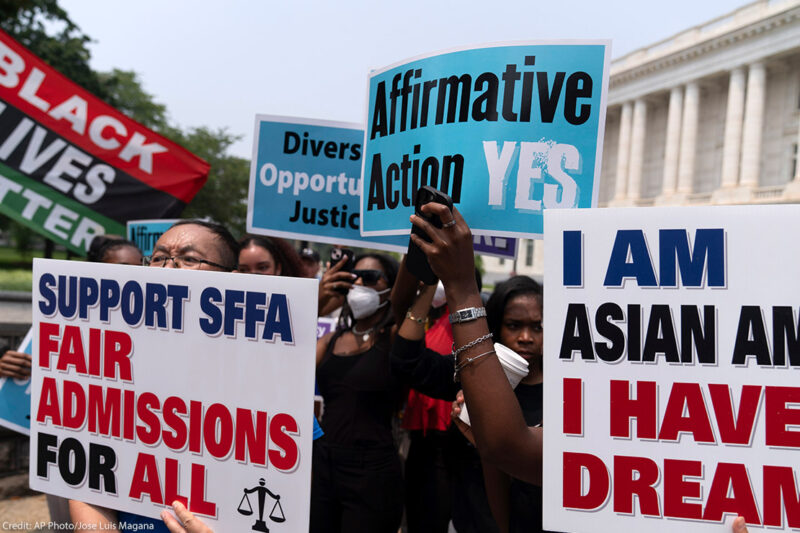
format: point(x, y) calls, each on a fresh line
point(416, 260)
point(337, 254)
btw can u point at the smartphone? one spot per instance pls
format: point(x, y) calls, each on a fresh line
point(336, 255)
point(416, 260)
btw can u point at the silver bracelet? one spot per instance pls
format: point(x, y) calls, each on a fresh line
point(467, 346)
point(468, 361)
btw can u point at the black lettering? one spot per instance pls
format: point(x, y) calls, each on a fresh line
point(660, 336)
point(750, 320)
point(577, 333)
point(701, 334)
point(102, 461)
point(548, 99)
point(375, 198)
point(785, 337)
point(485, 105)
point(603, 317)
point(579, 85)
point(291, 142)
point(379, 112)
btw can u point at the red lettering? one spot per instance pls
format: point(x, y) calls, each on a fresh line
point(150, 433)
point(104, 413)
point(117, 348)
point(195, 426)
point(287, 456)
point(642, 409)
point(676, 488)
point(780, 485)
point(778, 416)
point(71, 352)
point(197, 500)
point(48, 403)
point(599, 482)
point(573, 406)
point(743, 502)
point(171, 482)
point(145, 479)
point(47, 344)
point(175, 439)
point(696, 422)
point(251, 442)
point(218, 413)
point(626, 485)
point(129, 428)
point(737, 431)
point(95, 336)
point(74, 411)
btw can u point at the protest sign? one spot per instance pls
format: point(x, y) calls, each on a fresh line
point(145, 233)
point(15, 396)
point(671, 386)
point(157, 384)
point(304, 182)
point(504, 247)
point(506, 130)
point(71, 166)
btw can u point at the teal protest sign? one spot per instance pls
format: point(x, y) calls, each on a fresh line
point(305, 181)
point(507, 131)
point(145, 233)
point(15, 396)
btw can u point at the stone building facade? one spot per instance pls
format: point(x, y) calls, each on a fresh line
point(710, 116)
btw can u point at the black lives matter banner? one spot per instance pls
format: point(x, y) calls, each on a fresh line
point(72, 167)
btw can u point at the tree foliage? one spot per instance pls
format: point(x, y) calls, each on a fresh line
point(46, 29)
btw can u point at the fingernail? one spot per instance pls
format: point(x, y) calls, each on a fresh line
point(164, 515)
point(176, 504)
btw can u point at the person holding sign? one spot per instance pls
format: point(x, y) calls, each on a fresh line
point(191, 245)
point(357, 482)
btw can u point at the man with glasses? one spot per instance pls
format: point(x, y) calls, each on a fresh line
point(192, 245)
point(195, 245)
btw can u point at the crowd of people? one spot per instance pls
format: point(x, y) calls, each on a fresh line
point(388, 370)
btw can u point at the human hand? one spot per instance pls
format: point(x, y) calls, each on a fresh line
point(188, 522)
point(15, 365)
point(739, 525)
point(450, 251)
point(334, 278)
point(462, 426)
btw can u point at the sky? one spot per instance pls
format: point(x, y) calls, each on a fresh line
point(219, 64)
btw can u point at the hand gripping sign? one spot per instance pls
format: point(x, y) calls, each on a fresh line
point(673, 352)
point(152, 385)
point(507, 131)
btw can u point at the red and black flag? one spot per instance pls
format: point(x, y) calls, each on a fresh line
point(72, 167)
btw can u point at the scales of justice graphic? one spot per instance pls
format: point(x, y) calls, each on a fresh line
point(276, 515)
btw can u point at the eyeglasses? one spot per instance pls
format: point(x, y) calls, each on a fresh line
point(181, 261)
point(369, 277)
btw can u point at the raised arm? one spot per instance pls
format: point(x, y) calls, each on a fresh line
point(501, 434)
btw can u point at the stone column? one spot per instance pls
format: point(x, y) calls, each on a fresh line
point(672, 148)
point(792, 190)
point(732, 144)
point(753, 125)
point(637, 149)
point(691, 114)
point(623, 152)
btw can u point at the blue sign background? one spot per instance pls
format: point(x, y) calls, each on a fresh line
point(270, 211)
point(15, 397)
point(145, 233)
point(467, 138)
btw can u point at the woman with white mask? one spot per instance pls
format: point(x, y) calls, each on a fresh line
point(356, 480)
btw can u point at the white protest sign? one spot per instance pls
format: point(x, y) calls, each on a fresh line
point(157, 384)
point(673, 356)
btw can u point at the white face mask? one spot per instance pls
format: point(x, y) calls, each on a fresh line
point(364, 301)
point(439, 298)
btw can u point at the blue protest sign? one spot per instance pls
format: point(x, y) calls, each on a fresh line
point(305, 181)
point(145, 233)
point(505, 247)
point(15, 396)
point(507, 130)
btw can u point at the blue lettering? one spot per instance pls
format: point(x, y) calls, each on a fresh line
point(640, 267)
point(573, 259)
point(177, 293)
point(109, 297)
point(233, 312)
point(155, 305)
point(213, 323)
point(48, 305)
point(254, 312)
point(87, 288)
point(708, 255)
point(278, 319)
point(67, 299)
point(132, 303)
